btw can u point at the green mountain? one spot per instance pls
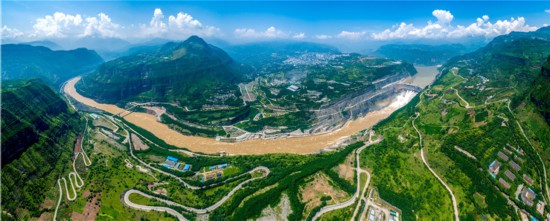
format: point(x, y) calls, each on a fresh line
point(420, 53)
point(20, 61)
point(38, 134)
point(484, 107)
point(541, 91)
point(191, 73)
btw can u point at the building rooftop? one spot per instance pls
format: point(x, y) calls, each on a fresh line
point(494, 167)
point(172, 159)
point(504, 183)
point(502, 156)
point(527, 196)
point(528, 179)
point(510, 175)
point(514, 166)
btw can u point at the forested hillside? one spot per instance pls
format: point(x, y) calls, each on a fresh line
point(479, 111)
point(541, 91)
point(20, 61)
point(38, 134)
point(191, 72)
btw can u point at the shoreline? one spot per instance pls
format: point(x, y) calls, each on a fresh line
point(294, 145)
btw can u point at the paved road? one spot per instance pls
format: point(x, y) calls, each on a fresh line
point(150, 208)
point(362, 196)
point(537, 152)
point(467, 104)
point(67, 189)
point(73, 175)
point(58, 201)
point(350, 201)
point(195, 210)
point(455, 207)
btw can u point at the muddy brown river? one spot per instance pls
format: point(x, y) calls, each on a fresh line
point(298, 145)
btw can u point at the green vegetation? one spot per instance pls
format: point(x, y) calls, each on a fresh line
point(21, 61)
point(38, 134)
point(487, 78)
point(290, 121)
point(288, 180)
point(192, 72)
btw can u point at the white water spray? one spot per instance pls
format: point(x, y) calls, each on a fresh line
point(402, 99)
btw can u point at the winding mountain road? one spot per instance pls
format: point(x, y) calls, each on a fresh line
point(73, 175)
point(150, 208)
point(455, 207)
point(191, 209)
point(350, 201)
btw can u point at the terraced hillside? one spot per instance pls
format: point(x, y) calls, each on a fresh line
point(480, 132)
point(38, 133)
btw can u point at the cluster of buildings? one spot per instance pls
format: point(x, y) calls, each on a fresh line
point(507, 169)
point(214, 172)
point(172, 163)
point(507, 165)
point(311, 59)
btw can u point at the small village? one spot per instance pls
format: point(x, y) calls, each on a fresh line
point(508, 169)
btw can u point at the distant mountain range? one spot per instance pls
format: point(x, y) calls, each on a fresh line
point(20, 61)
point(258, 54)
point(192, 73)
point(420, 53)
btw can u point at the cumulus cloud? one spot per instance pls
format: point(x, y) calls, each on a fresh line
point(443, 17)
point(351, 35)
point(177, 26)
point(10, 33)
point(547, 11)
point(323, 37)
point(271, 32)
point(100, 26)
point(57, 25)
point(61, 25)
point(442, 28)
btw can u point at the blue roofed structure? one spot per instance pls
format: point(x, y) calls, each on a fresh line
point(186, 167)
point(222, 165)
point(172, 159)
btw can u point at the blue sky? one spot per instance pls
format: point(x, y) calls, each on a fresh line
point(254, 21)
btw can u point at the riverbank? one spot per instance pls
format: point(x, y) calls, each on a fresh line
point(299, 145)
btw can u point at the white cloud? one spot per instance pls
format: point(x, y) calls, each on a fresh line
point(102, 27)
point(157, 20)
point(547, 11)
point(351, 35)
point(61, 25)
point(299, 36)
point(57, 25)
point(271, 32)
point(442, 28)
point(178, 26)
point(443, 17)
point(323, 37)
point(10, 33)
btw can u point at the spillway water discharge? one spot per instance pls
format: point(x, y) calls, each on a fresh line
point(402, 99)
